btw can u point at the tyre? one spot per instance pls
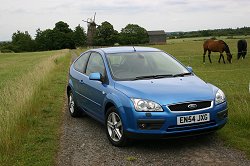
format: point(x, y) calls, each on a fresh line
point(72, 106)
point(114, 128)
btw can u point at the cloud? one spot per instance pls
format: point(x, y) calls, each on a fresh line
point(169, 15)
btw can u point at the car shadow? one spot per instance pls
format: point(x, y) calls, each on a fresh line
point(177, 143)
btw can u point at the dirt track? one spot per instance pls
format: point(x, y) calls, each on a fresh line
point(84, 142)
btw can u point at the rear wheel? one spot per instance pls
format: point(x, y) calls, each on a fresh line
point(73, 108)
point(114, 128)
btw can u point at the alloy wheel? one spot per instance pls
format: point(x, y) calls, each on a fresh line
point(71, 104)
point(114, 126)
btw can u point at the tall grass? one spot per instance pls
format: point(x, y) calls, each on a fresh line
point(17, 64)
point(40, 141)
point(16, 96)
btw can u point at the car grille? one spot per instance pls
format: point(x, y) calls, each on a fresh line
point(191, 126)
point(190, 106)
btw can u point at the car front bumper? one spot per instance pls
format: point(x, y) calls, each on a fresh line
point(136, 135)
point(154, 125)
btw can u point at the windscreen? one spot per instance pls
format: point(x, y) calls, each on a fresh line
point(134, 65)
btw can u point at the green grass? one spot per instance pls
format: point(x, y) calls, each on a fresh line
point(14, 65)
point(233, 79)
point(131, 158)
point(80, 50)
point(33, 116)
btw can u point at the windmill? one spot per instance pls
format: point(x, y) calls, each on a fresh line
point(91, 30)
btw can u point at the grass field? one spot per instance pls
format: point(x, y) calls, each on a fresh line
point(32, 97)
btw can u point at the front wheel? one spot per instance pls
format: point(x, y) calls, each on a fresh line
point(73, 108)
point(114, 128)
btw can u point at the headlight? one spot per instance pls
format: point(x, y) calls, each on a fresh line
point(219, 97)
point(146, 105)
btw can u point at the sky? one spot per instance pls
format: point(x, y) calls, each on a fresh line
point(168, 15)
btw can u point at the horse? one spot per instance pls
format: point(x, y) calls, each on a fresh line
point(220, 46)
point(242, 48)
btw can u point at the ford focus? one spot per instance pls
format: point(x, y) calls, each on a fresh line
point(143, 93)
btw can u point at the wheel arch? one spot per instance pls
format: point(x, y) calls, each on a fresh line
point(68, 89)
point(110, 101)
point(70, 86)
point(119, 111)
point(119, 104)
point(108, 105)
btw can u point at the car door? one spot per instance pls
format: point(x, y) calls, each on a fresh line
point(77, 78)
point(94, 91)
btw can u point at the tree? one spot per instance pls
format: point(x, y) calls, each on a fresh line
point(79, 36)
point(60, 37)
point(63, 36)
point(45, 40)
point(133, 34)
point(105, 35)
point(53, 40)
point(205, 33)
point(22, 42)
point(6, 47)
point(62, 27)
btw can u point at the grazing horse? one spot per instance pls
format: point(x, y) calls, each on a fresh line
point(220, 46)
point(242, 48)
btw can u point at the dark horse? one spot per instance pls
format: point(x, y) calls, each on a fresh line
point(242, 48)
point(220, 46)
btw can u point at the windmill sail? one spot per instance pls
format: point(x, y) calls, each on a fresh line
point(91, 30)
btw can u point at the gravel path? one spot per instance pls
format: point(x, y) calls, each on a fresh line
point(83, 142)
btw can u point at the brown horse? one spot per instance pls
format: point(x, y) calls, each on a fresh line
point(220, 46)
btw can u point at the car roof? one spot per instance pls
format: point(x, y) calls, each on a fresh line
point(109, 50)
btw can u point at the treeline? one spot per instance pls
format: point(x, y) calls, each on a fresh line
point(215, 32)
point(61, 37)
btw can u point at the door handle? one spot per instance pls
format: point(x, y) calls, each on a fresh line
point(81, 81)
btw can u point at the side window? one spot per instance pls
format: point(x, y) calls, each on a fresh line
point(80, 64)
point(95, 64)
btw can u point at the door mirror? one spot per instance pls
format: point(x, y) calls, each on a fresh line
point(95, 76)
point(190, 69)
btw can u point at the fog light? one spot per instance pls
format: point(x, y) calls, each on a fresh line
point(142, 125)
point(150, 124)
point(222, 114)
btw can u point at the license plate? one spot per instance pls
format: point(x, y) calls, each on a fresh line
point(190, 119)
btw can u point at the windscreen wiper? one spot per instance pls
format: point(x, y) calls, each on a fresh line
point(154, 76)
point(182, 74)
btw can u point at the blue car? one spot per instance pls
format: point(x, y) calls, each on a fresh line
point(141, 93)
